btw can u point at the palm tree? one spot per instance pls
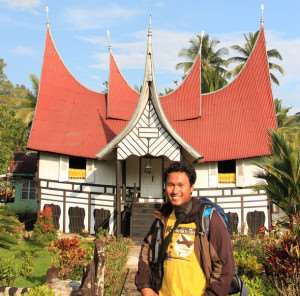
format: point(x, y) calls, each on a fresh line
point(283, 119)
point(214, 73)
point(26, 104)
point(288, 125)
point(281, 173)
point(245, 52)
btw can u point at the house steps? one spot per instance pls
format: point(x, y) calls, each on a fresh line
point(141, 220)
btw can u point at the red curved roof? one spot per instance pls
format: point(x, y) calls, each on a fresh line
point(230, 123)
point(122, 99)
point(185, 101)
point(69, 118)
point(235, 119)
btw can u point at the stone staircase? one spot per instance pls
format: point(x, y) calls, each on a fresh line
point(141, 220)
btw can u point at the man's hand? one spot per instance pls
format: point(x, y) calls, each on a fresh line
point(148, 292)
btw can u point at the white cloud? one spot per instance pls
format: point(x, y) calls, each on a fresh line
point(131, 55)
point(158, 4)
point(22, 4)
point(289, 48)
point(23, 51)
point(166, 45)
point(84, 18)
point(95, 40)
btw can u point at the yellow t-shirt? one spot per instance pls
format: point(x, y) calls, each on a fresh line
point(183, 275)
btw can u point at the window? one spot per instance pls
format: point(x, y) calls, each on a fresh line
point(28, 190)
point(226, 171)
point(77, 167)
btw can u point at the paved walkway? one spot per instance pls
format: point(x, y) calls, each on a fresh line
point(131, 265)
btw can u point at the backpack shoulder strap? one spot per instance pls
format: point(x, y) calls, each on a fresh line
point(202, 219)
point(206, 217)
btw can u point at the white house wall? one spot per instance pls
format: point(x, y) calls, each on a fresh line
point(250, 170)
point(105, 172)
point(78, 195)
point(202, 171)
point(237, 197)
point(49, 166)
point(207, 174)
point(132, 171)
point(97, 191)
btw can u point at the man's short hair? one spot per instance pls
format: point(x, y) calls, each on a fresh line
point(180, 166)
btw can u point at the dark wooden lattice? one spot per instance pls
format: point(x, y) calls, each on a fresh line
point(76, 218)
point(233, 221)
point(101, 217)
point(55, 213)
point(255, 220)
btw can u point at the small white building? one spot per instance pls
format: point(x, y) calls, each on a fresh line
point(91, 145)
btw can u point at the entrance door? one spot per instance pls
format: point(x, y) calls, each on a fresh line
point(151, 182)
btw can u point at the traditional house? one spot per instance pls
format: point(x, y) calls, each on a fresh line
point(91, 144)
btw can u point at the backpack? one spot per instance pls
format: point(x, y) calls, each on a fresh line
point(237, 285)
point(206, 213)
point(160, 245)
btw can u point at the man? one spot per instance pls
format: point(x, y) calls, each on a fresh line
point(193, 263)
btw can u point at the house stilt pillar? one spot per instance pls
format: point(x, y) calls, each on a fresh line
point(118, 196)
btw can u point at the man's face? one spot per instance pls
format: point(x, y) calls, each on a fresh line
point(178, 188)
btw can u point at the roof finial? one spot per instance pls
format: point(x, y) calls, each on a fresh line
point(47, 16)
point(262, 8)
point(108, 40)
point(150, 25)
point(149, 52)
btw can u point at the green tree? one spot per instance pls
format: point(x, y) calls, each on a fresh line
point(281, 173)
point(18, 97)
point(13, 136)
point(10, 228)
point(245, 52)
point(6, 87)
point(283, 119)
point(27, 102)
point(213, 73)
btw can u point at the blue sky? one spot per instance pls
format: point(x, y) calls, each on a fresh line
point(79, 30)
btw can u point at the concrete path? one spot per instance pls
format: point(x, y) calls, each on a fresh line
point(131, 265)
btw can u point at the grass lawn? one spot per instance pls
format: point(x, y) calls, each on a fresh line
point(116, 254)
point(42, 261)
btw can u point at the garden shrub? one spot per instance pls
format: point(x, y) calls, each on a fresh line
point(102, 233)
point(40, 291)
point(8, 272)
point(26, 267)
point(282, 263)
point(11, 228)
point(258, 286)
point(116, 252)
point(70, 257)
point(252, 246)
point(247, 264)
point(44, 231)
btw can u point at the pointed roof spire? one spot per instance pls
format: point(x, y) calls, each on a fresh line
point(150, 25)
point(262, 8)
point(108, 40)
point(148, 69)
point(47, 16)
